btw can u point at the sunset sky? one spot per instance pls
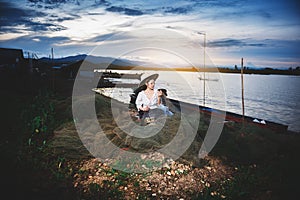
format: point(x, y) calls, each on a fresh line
point(264, 33)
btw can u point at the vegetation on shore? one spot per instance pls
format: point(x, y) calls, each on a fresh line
point(247, 70)
point(44, 158)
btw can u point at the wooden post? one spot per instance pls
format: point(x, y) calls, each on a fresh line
point(242, 80)
point(53, 72)
point(204, 44)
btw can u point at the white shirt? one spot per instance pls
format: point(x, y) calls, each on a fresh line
point(142, 99)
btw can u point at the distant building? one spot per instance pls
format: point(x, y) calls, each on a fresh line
point(11, 58)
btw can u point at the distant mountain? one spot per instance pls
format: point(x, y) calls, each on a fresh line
point(68, 59)
point(114, 61)
point(93, 59)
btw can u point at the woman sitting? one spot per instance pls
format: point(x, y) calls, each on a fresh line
point(147, 99)
point(150, 100)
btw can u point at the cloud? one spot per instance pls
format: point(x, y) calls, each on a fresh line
point(276, 52)
point(178, 10)
point(110, 37)
point(101, 38)
point(52, 4)
point(137, 8)
point(34, 42)
point(233, 43)
point(49, 1)
point(233, 28)
point(49, 4)
point(12, 16)
point(41, 45)
point(95, 13)
point(61, 19)
point(124, 10)
point(264, 14)
point(215, 3)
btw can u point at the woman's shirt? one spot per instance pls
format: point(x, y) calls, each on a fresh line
point(142, 99)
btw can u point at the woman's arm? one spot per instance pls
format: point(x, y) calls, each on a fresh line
point(159, 96)
point(139, 101)
point(158, 100)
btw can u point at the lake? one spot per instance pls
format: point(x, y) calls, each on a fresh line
point(270, 97)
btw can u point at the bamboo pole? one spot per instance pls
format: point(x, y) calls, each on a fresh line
point(242, 82)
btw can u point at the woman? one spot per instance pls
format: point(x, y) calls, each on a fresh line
point(148, 99)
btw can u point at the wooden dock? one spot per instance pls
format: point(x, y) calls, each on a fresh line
point(110, 74)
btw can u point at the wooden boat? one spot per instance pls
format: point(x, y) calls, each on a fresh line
point(208, 79)
point(230, 116)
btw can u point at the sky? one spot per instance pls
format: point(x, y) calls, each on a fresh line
point(166, 32)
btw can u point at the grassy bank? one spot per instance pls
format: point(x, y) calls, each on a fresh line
point(44, 158)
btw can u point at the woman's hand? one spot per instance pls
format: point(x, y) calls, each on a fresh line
point(145, 108)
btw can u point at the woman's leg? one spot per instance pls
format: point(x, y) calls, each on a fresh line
point(166, 110)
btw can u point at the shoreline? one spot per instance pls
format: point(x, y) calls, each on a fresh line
point(229, 116)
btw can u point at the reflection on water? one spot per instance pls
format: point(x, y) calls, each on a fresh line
point(270, 97)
